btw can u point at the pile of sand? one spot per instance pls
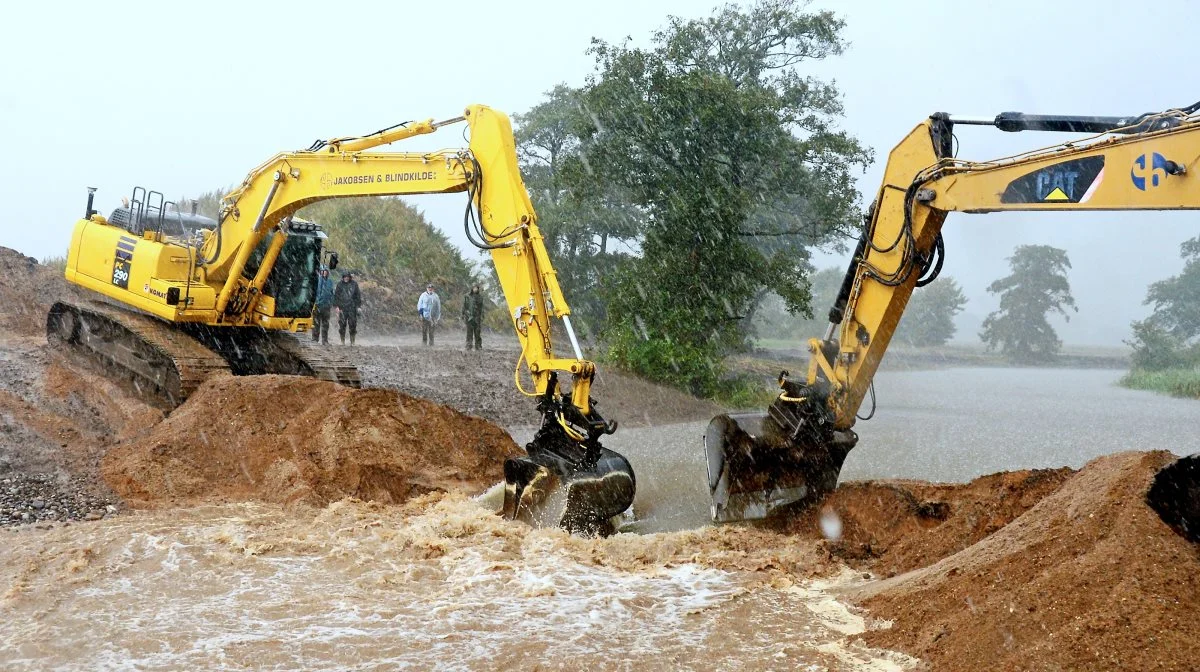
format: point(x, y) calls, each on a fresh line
point(28, 290)
point(288, 439)
point(891, 527)
point(1088, 578)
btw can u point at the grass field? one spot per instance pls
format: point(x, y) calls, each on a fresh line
point(1175, 382)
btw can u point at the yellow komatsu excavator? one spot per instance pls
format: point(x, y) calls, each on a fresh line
point(184, 296)
point(792, 454)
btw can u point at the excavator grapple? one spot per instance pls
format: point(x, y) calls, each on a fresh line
point(567, 478)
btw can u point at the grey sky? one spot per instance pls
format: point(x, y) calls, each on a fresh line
point(186, 99)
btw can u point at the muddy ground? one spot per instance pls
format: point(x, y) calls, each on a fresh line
point(1048, 569)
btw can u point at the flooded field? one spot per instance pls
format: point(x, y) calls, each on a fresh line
point(442, 582)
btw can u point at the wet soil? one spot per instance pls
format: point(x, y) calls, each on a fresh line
point(1087, 578)
point(482, 382)
point(286, 439)
point(1044, 569)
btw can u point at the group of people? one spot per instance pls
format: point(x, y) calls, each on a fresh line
point(429, 308)
point(346, 298)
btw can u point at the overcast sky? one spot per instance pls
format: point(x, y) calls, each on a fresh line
point(189, 98)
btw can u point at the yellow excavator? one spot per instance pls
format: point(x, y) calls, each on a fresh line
point(183, 296)
point(791, 455)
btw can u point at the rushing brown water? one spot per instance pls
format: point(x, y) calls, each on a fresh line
point(443, 583)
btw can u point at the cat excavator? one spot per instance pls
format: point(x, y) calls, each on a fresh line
point(790, 456)
point(183, 296)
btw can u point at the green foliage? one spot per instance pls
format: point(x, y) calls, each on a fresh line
point(1157, 349)
point(1176, 300)
point(1175, 382)
point(393, 252)
point(929, 319)
point(731, 157)
point(772, 319)
point(1170, 337)
point(695, 369)
point(583, 219)
point(1038, 284)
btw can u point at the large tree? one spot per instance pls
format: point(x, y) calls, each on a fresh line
point(1170, 336)
point(1037, 285)
point(929, 319)
point(732, 158)
point(587, 223)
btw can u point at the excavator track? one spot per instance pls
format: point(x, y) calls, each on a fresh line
point(322, 362)
point(163, 363)
point(166, 363)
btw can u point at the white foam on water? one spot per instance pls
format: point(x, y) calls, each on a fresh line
point(343, 592)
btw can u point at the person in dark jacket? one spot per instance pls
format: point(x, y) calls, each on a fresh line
point(324, 307)
point(472, 315)
point(347, 299)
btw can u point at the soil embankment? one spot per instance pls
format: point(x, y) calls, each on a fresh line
point(1089, 577)
point(285, 439)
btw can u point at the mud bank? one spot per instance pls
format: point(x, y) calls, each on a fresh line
point(1089, 577)
point(287, 439)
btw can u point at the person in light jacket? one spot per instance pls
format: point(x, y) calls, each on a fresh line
point(429, 307)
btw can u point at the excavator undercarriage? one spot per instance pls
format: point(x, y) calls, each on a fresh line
point(163, 363)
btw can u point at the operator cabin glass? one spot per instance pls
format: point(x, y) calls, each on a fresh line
point(293, 281)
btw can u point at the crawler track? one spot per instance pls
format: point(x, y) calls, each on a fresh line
point(165, 363)
point(161, 362)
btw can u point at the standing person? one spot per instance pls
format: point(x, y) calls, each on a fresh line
point(324, 307)
point(429, 307)
point(472, 316)
point(347, 299)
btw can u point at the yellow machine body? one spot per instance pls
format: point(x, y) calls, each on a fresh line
point(792, 454)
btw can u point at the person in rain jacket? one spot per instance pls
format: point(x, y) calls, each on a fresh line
point(347, 299)
point(324, 307)
point(429, 307)
point(472, 315)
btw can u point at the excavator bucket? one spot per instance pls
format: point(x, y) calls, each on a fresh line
point(547, 489)
point(755, 467)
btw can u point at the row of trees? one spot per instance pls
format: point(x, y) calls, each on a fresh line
point(928, 320)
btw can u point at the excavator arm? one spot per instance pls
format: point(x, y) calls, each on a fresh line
point(221, 283)
point(794, 452)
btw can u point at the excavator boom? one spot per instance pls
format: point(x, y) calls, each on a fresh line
point(235, 288)
point(792, 454)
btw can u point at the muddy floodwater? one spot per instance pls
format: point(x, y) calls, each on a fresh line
point(442, 583)
point(947, 425)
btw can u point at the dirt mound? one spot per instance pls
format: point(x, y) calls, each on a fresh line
point(28, 290)
point(1088, 578)
point(892, 527)
point(288, 439)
